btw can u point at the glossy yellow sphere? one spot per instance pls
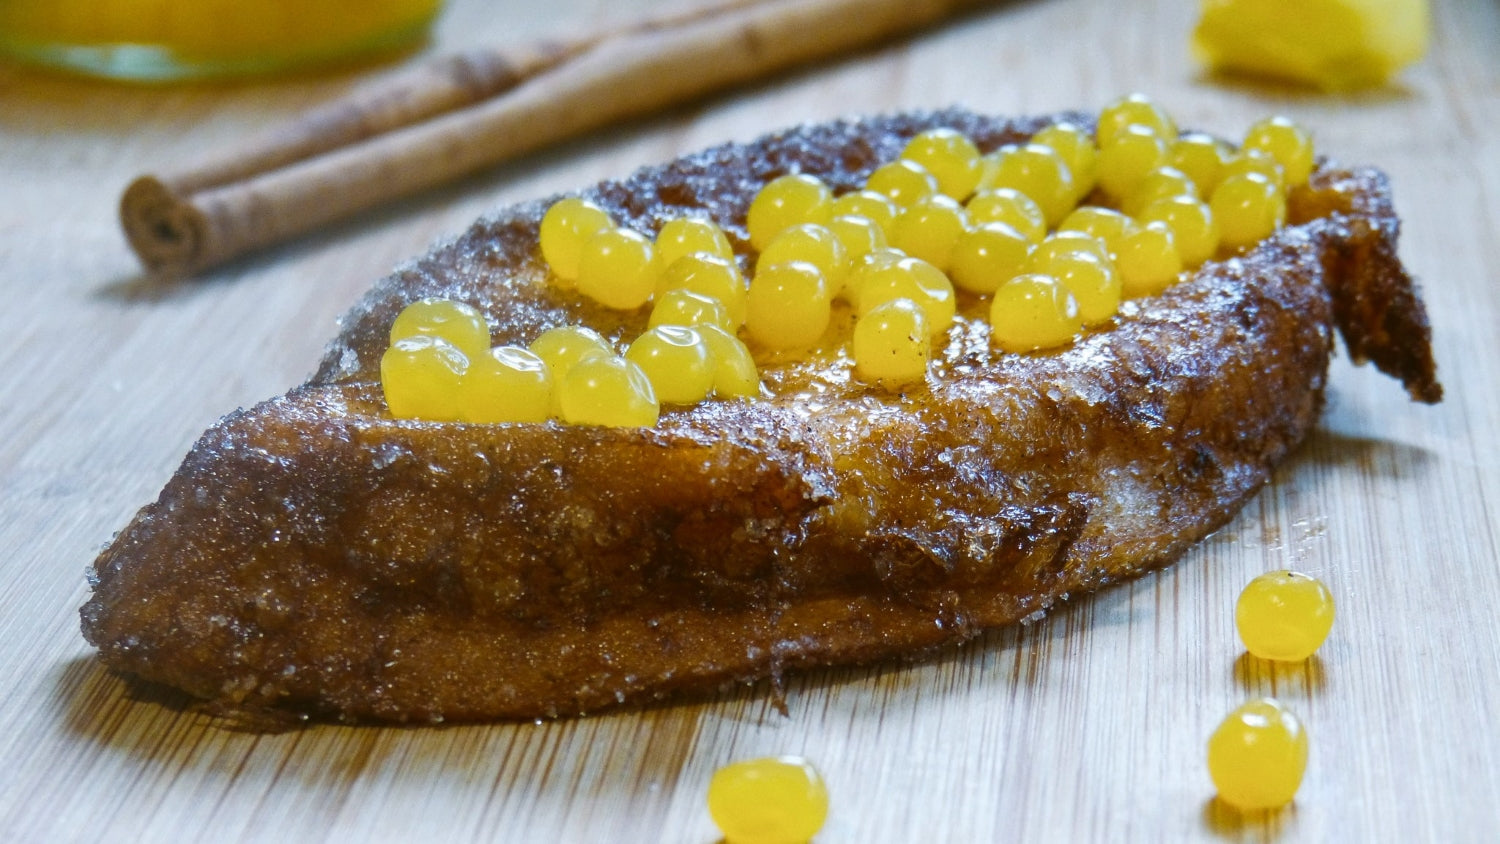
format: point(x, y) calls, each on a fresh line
point(1162, 183)
point(929, 228)
point(735, 375)
point(460, 324)
point(1254, 161)
point(1078, 151)
point(907, 278)
point(707, 275)
point(618, 268)
point(1134, 110)
point(1032, 312)
point(1039, 172)
point(777, 800)
point(987, 257)
point(867, 203)
point(1194, 230)
point(1201, 157)
point(1103, 224)
point(1009, 206)
point(1285, 141)
point(681, 236)
point(566, 226)
point(1092, 280)
point(1147, 261)
point(950, 157)
point(891, 343)
point(903, 181)
point(507, 384)
point(608, 391)
point(784, 202)
point(1132, 153)
point(860, 235)
point(676, 360)
point(422, 378)
point(1248, 208)
point(689, 307)
point(1257, 756)
point(789, 306)
point(1284, 615)
point(814, 244)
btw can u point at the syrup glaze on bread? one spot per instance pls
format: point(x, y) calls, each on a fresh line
point(313, 555)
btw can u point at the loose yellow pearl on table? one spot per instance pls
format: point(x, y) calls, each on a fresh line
point(903, 181)
point(929, 228)
point(566, 226)
point(1009, 206)
point(1284, 615)
point(676, 359)
point(950, 157)
point(775, 800)
point(1248, 207)
point(422, 378)
point(460, 324)
point(707, 275)
point(608, 391)
point(1032, 312)
point(891, 343)
point(1257, 756)
point(735, 375)
point(618, 268)
point(1285, 141)
point(784, 202)
point(681, 236)
point(788, 307)
point(507, 384)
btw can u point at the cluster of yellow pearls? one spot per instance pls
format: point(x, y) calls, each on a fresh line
point(1026, 225)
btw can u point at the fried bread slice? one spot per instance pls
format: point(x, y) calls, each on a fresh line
point(314, 555)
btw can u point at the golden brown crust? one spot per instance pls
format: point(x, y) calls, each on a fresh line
point(314, 554)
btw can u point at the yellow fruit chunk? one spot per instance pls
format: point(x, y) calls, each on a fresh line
point(681, 236)
point(566, 226)
point(1257, 755)
point(1330, 44)
point(707, 275)
point(422, 378)
point(460, 324)
point(734, 372)
point(507, 384)
point(788, 307)
point(784, 202)
point(988, 256)
point(618, 268)
point(891, 343)
point(950, 157)
point(689, 307)
point(776, 800)
point(608, 391)
point(929, 228)
point(1032, 312)
point(676, 360)
point(1284, 615)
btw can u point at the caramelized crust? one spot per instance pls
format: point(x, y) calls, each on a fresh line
point(314, 555)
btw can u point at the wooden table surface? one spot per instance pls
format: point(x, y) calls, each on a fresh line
point(1089, 726)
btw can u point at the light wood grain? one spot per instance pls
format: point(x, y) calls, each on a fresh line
point(1088, 726)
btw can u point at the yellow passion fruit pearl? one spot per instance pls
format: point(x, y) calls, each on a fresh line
point(618, 269)
point(908, 278)
point(1032, 312)
point(1201, 157)
point(929, 228)
point(422, 377)
point(1194, 231)
point(458, 323)
point(507, 384)
point(734, 372)
point(688, 307)
point(1009, 206)
point(867, 203)
point(1147, 260)
point(788, 307)
point(1076, 147)
point(988, 256)
point(608, 391)
point(566, 226)
point(707, 275)
point(950, 157)
point(1132, 153)
point(860, 235)
point(1284, 615)
point(815, 244)
point(676, 360)
point(785, 202)
point(681, 236)
point(1134, 110)
point(1285, 141)
point(777, 800)
point(1257, 755)
point(1040, 173)
point(902, 181)
point(1248, 208)
point(891, 343)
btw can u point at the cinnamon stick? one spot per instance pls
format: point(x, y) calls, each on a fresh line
point(463, 114)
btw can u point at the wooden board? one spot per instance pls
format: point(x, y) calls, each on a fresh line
point(1089, 726)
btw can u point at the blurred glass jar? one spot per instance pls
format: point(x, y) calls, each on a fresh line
point(162, 40)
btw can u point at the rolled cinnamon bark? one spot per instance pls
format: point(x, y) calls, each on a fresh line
point(454, 118)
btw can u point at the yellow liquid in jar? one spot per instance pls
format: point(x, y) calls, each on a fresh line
point(160, 40)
